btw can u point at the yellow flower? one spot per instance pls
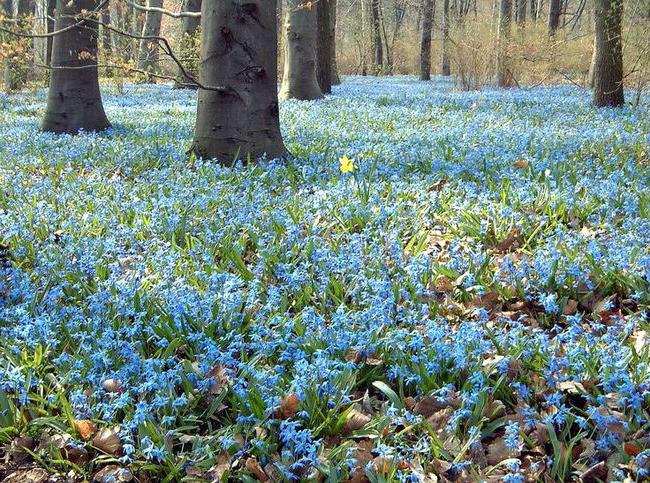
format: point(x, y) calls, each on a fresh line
point(347, 164)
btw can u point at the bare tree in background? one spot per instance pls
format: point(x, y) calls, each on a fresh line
point(445, 69)
point(15, 73)
point(608, 57)
point(148, 54)
point(299, 79)
point(377, 47)
point(189, 44)
point(74, 101)
point(555, 10)
point(504, 70)
point(336, 80)
point(323, 50)
point(425, 42)
point(238, 116)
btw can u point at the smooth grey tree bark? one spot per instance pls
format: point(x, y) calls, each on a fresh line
point(445, 69)
point(503, 68)
point(336, 79)
point(555, 10)
point(238, 116)
point(299, 80)
point(323, 44)
point(425, 42)
point(188, 45)
point(608, 66)
point(148, 55)
point(74, 101)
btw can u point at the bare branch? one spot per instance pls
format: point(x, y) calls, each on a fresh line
point(164, 11)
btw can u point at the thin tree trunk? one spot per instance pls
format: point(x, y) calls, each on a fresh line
point(425, 43)
point(74, 101)
point(554, 17)
point(336, 80)
point(521, 12)
point(299, 80)
point(591, 75)
point(51, 12)
point(608, 71)
point(148, 52)
point(504, 73)
point(378, 50)
point(323, 51)
point(445, 39)
point(239, 55)
point(188, 45)
point(533, 10)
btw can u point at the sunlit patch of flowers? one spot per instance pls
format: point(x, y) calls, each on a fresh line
point(405, 297)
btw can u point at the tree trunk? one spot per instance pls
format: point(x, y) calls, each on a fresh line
point(425, 43)
point(148, 52)
point(336, 80)
point(51, 12)
point(504, 70)
point(239, 56)
point(608, 71)
point(106, 33)
point(533, 10)
point(323, 51)
point(554, 16)
point(521, 12)
point(74, 101)
point(591, 75)
point(301, 27)
point(189, 45)
point(445, 39)
point(378, 50)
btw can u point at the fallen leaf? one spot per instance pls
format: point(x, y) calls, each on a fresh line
point(355, 420)
point(596, 474)
point(289, 406)
point(521, 164)
point(112, 474)
point(85, 428)
point(108, 441)
point(254, 467)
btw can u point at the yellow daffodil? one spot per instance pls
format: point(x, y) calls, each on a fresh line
point(347, 164)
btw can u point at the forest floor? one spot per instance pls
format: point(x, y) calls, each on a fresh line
point(470, 302)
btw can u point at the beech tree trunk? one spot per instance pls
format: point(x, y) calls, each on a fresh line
point(148, 51)
point(323, 50)
point(188, 45)
point(241, 119)
point(425, 43)
point(74, 101)
point(336, 80)
point(608, 65)
point(299, 79)
point(554, 16)
point(377, 47)
point(504, 70)
point(445, 70)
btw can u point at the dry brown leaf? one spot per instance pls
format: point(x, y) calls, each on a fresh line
point(595, 474)
point(108, 441)
point(112, 474)
point(521, 164)
point(289, 406)
point(255, 468)
point(355, 420)
point(85, 428)
point(113, 385)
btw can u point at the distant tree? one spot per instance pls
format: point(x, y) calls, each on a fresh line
point(333, 64)
point(377, 47)
point(504, 70)
point(521, 12)
point(237, 114)
point(299, 79)
point(323, 50)
point(555, 10)
point(148, 55)
point(425, 41)
point(445, 70)
point(189, 44)
point(74, 101)
point(608, 57)
point(50, 12)
point(15, 73)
